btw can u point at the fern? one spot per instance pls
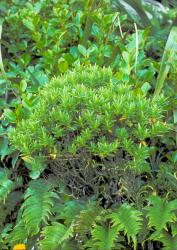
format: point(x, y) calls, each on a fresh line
point(13, 199)
point(161, 212)
point(11, 202)
point(19, 234)
point(69, 246)
point(6, 185)
point(68, 211)
point(104, 237)
point(174, 228)
point(38, 205)
point(3, 236)
point(86, 218)
point(169, 241)
point(2, 215)
point(127, 219)
point(55, 235)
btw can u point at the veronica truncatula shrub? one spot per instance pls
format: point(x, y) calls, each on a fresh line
point(87, 114)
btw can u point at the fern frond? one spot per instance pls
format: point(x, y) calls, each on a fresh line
point(55, 235)
point(38, 205)
point(68, 211)
point(13, 199)
point(10, 204)
point(2, 215)
point(6, 185)
point(71, 245)
point(174, 229)
point(104, 237)
point(128, 220)
point(19, 234)
point(169, 242)
point(161, 212)
point(86, 218)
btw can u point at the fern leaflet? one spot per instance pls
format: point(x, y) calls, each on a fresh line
point(6, 185)
point(169, 241)
point(104, 237)
point(87, 217)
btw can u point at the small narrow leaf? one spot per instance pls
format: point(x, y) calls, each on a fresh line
point(29, 24)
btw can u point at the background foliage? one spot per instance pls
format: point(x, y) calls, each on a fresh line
point(91, 161)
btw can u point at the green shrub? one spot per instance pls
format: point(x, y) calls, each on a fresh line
point(87, 115)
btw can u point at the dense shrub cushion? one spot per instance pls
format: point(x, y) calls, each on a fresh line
point(86, 114)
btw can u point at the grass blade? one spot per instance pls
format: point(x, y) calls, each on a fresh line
point(1, 62)
point(168, 56)
point(136, 50)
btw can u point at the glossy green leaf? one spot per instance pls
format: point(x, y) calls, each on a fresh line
point(82, 50)
point(62, 65)
point(23, 85)
point(9, 115)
